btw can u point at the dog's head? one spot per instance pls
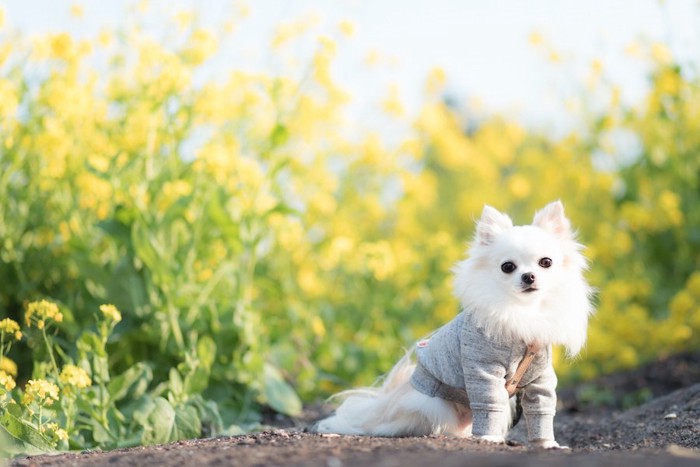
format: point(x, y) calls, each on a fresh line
point(524, 262)
point(525, 278)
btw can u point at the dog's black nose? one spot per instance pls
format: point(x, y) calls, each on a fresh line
point(528, 278)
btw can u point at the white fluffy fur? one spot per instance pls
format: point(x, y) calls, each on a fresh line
point(396, 409)
point(556, 313)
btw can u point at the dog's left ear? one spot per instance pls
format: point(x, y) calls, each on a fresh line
point(552, 219)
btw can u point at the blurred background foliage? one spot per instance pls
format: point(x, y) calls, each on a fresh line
point(252, 243)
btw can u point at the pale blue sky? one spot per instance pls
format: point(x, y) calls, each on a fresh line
point(482, 45)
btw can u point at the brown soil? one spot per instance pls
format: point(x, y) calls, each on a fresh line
point(593, 420)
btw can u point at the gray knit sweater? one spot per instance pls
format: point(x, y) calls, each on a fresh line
point(462, 364)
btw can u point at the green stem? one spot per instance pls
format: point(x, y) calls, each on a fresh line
point(175, 327)
point(50, 350)
point(69, 429)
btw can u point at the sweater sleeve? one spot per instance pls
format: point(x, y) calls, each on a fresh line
point(485, 385)
point(539, 404)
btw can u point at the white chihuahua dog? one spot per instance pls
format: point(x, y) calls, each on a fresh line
point(521, 290)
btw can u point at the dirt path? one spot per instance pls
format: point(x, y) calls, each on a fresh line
point(663, 432)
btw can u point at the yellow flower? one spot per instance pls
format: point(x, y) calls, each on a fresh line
point(74, 376)
point(392, 103)
point(519, 186)
point(77, 10)
point(347, 28)
point(201, 45)
point(8, 98)
point(40, 391)
point(6, 381)
point(8, 366)
point(59, 433)
point(41, 311)
point(661, 54)
point(535, 38)
point(693, 284)
point(111, 313)
point(61, 46)
point(436, 80)
point(9, 326)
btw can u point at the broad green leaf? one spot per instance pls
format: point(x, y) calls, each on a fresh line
point(25, 436)
point(133, 381)
point(100, 434)
point(188, 424)
point(278, 393)
point(161, 421)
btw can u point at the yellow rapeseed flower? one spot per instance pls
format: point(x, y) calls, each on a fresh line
point(61, 46)
point(693, 284)
point(111, 313)
point(519, 186)
point(661, 54)
point(74, 376)
point(77, 10)
point(347, 28)
point(535, 38)
point(7, 381)
point(436, 80)
point(8, 366)
point(58, 432)
point(10, 327)
point(392, 103)
point(41, 311)
point(40, 391)
point(8, 98)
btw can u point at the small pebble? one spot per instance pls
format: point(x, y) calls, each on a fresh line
point(670, 416)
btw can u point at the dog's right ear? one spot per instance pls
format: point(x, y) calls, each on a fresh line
point(490, 225)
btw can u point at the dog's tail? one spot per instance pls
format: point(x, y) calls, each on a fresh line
point(390, 408)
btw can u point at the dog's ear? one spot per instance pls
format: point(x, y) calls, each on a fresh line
point(552, 219)
point(490, 225)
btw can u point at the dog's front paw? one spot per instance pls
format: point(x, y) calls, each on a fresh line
point(492, 438)
point(547, 444)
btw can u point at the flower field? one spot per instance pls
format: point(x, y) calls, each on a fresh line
point(178, 253)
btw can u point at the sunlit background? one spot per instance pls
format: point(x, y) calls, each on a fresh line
point(213, 209)
point(529, 60)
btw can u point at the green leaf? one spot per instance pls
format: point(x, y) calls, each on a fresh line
point(100, 434)
point(149, 250)
point(278, 393)
point(161, 421)
point(206, 351)
point(197, 382)
point(208, 413)
point(90, 343)
point(157, 417)
point(187, 423)
point(133, 382)
point(20, 435)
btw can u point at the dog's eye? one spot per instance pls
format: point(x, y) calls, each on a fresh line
point(508, 267)
point(545, 263)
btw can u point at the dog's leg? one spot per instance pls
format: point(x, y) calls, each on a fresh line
point(463, 429)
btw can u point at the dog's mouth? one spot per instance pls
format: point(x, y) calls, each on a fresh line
point(529, 289)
